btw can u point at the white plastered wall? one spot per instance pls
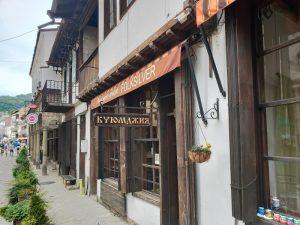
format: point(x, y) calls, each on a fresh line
point(213, 178)
point(90, 41)
point(40, 71)
point(142, 212)
point(142, 20)
point(80, 109)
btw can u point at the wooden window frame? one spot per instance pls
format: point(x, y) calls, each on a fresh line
point(263, 155)
point(124, 7)
point(110, 138)
point(107, 28)
point(144, 166)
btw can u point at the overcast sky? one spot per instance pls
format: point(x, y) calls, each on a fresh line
point(17, 17)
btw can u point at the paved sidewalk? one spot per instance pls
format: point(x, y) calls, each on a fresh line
point(6, 166)
point(70, 208)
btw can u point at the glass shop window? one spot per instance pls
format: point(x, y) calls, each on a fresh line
point(145, 151)
point(111, 149)
point(279, 98)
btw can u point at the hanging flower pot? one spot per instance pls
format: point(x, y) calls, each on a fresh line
point(200, 154)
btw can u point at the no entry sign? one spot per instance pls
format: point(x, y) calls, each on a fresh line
point(32, 118)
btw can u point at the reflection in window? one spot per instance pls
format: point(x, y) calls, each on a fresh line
point(111, 149)
point(146, 154)
point(281, 68)
point(280, 24)
point(285, 184)
point(283, 127)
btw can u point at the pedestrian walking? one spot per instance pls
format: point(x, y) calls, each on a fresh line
point(17, 146)
point(5, 149)
point(11, 150)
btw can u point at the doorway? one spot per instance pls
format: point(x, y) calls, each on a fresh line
point(167, 135)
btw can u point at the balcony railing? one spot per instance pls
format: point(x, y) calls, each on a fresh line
point(88, 73)
point(58, 96)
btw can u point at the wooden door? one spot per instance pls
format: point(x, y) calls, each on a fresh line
point(167, 137)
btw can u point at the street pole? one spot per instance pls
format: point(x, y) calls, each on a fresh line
point(45, 152)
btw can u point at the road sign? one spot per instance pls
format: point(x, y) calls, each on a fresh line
point(32, 118)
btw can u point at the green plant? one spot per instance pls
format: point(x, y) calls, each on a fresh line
point(15, 212)
point(27, 176)
point(37, 212)
point(21, 189)
point(201, 148)
point(22, 157)
point(25, 203)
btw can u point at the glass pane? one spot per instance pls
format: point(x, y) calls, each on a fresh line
point(283, 129)
point(280, 22)
point(285, 185)
point(282, 73)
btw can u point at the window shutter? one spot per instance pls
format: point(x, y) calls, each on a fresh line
point(241, 111)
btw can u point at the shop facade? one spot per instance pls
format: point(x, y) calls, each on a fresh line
point(223, 73)
point(249, 40)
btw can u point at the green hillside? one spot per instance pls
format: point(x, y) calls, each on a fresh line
point(9, 103)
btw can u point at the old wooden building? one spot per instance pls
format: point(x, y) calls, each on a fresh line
point(153, 79)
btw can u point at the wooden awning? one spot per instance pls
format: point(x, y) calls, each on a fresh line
point(152, 71)
point(205, 9)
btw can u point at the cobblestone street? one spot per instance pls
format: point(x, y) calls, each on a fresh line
point(65, 207)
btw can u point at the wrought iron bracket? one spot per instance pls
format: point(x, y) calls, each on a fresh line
point(212, 60)
point(213, 113)
point(195, 84)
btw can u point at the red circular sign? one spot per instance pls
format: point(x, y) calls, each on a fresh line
point(32, 118)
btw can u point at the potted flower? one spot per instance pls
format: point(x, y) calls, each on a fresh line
point(200, 154)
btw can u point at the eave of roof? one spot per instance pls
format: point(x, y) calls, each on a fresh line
point(70, 26)
point(62, 8)
point(60, 48)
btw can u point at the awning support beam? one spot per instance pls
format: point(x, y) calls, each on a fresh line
point(195, 84)
point(212, 60)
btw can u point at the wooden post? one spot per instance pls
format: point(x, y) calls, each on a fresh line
point(33, 144)
point(184, 141)
point(123, 158)
point(242, 121)
point(45, 151)
point(37, 148)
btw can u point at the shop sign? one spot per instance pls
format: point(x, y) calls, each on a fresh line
point(32, 118)
point(122, 120)
point(154, 70)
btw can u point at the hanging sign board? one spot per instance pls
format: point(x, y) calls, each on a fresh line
point(207, 9)
point(154, 70)
point(121, 120)
point(32, 118)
